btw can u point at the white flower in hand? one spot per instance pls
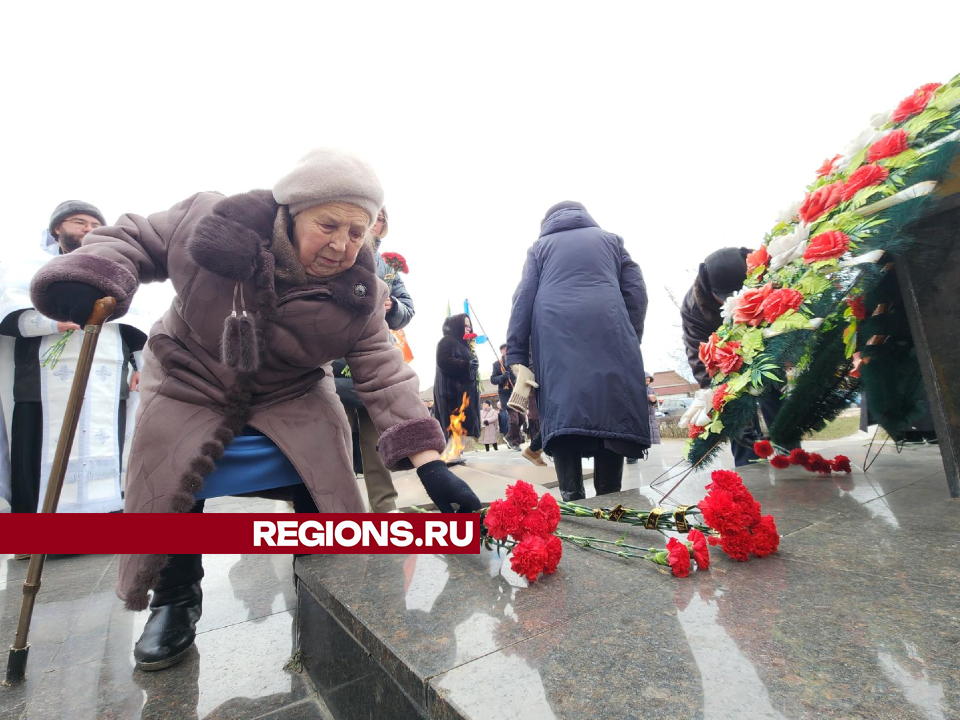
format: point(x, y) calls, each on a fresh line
point(787, 248)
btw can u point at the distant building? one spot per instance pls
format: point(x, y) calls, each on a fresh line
point(671, 383)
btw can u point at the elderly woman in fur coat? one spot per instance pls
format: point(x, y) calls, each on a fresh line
point(271, 287)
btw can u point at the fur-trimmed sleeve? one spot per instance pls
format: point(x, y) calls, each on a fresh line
point(116, 258)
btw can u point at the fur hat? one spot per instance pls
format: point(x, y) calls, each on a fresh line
point(73, 207)
point(325, 175)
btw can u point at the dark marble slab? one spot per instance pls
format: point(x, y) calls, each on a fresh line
point(854, 617)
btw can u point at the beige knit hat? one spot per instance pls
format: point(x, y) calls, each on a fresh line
point(326, 175)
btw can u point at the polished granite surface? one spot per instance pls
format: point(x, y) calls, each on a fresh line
point(857, 616)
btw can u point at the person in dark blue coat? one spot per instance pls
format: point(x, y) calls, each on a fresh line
point(580, 308)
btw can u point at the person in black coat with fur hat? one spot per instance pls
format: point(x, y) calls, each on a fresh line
point(721, 275)
point(457, 370)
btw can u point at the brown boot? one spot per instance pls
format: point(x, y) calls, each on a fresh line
point(534, 457)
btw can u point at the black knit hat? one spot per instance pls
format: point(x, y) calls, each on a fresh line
point(73, 207)
point(724, 271)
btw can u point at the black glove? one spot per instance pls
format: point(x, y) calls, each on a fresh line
point(474, 364)
point(486, 422)
point(73, 301)
point(446, 489)
point(748, 436)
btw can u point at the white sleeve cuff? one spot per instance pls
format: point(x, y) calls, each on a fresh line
point(32, 324)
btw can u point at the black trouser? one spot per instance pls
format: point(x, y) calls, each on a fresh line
point(487, 445)
point(607, 471)
point(769, 406)
point(26, 450)
point(183, 570)
point(536, 445)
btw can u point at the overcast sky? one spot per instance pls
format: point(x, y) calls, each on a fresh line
point(683, 127)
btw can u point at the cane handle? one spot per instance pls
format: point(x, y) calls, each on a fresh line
point(102, 310)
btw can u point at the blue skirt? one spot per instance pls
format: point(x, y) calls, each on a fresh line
point(250, 463)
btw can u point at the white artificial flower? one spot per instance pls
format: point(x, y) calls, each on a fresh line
point(881, 119)
point(787, 248)
point(790, 213)
point(870, 257)
point(730, 305)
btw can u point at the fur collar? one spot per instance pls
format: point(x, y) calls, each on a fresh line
point(240, 229)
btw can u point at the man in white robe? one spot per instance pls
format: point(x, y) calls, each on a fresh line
point(33, 393)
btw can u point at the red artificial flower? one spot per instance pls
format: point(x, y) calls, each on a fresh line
point(858, 308)
point(550, 510)
point(749, 310)
point(780, 462)
point(915, 103)
point(763, 449)
point(396, 261)
point(891, 144)
point(827, 167)
point(701, 552)
point(863, 177)
point(779, 301)
point(469, 336)
point(695, 431)
point(678, 555)
point(737, 544)
point(529, 557)
point(708, 354)
point(728, 357)
point(766, 538)
point(758, 258)
point(719, 397)
point(826, 246)
point(820, 201)
point(554, 550)
point(841, 464)
point(799, 456)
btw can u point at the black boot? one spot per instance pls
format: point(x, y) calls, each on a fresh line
point(569, 466)
point(175, 608)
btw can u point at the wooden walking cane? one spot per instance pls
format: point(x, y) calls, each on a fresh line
point(102, 310)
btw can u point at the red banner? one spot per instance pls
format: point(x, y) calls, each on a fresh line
point(232, 533)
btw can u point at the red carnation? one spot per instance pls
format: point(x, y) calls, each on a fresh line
point(529, 557)
point(737, 544)
point(915, 103)
point(396, 261)
point(695, 431)
point(827, 167)
point(826, 246)
point(522, 495)
point(725, 480)
point(719, 396)
point(779, 301)
point(503, 519)
point(763, 449)
point(758, 258)
point(858, 308)
point(799, 456)
point(780, 462)
point(550, 510)
point(766, 538)
point(701, 552)
point(818, 464)
point(841, 464)
point(749, 310)
point(863, 177)
point(891, 144)
point(554, 550)
point(678, 555)
point(820, 201)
